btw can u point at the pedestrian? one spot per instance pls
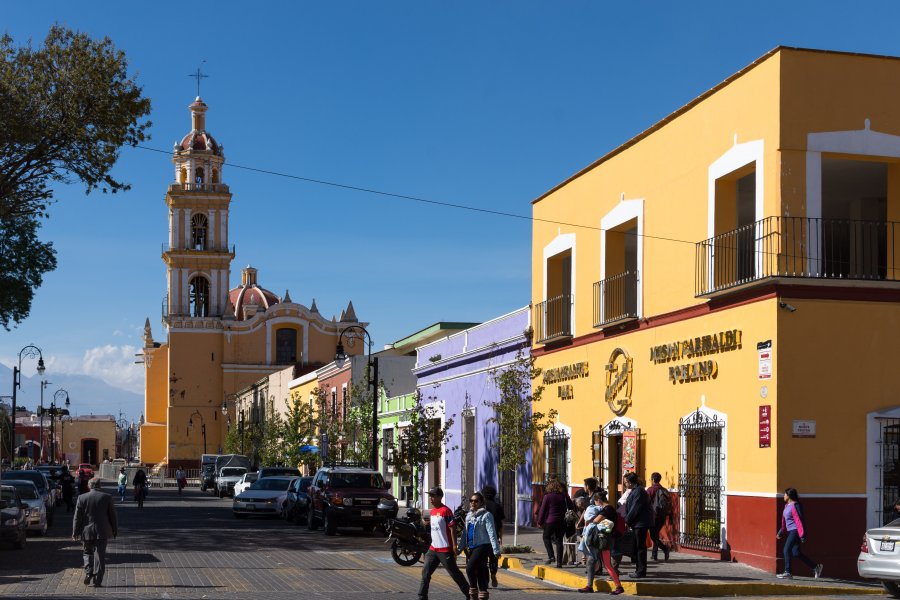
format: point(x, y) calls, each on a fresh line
point(67, 482)
point(894, 513)
point(639, 517)
point(180, 479)
point(587, 491)
point(597, 541)
point(83, 480)
point(570, 555)
point(552, 518)
point(792, 525)
point(95, 523)
point(480, 539)
point(140, 487)
point(123, 484)
point(443, 546)
point(661, 505)
point(496, 510)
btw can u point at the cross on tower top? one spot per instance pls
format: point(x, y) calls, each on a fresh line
point(198, 76)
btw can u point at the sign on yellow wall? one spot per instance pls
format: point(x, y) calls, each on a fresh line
point(714, 343)
point(618, 381)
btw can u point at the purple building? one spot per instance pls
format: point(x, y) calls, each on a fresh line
point(455, 374)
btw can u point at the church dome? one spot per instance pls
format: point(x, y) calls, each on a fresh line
point(199, 138)
point(250, 298)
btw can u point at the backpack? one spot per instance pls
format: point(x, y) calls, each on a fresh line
point(662, 502)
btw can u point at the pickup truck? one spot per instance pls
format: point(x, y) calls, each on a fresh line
point(226, 479)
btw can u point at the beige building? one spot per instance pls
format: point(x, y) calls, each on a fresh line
point(86, 439)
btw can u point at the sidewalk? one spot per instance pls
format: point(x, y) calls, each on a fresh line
point(682, 575)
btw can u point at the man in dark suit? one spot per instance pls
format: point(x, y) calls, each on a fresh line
point(639, 517)
point(95, 523)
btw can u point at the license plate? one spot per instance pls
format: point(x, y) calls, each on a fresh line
point(887, 546)
point(366, 513)
point(251, 507)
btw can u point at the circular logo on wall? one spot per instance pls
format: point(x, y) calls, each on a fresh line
point(618, 381)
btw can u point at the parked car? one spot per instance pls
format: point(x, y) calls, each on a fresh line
point(263, 497)
point(342, 496)
point(12, 517)
point(43, 487)
point(54, 474)
point(296, 504)
point(278, 471)
point(226, 479)
point(244, 482)
point(87, 468)
point(879, 557)
point(36, 513)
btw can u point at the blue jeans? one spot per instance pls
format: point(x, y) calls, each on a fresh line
point(792, 548)
point(122, 492)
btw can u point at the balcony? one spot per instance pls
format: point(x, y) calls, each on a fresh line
point(800, 247)
point(553, 319)
point(198, 187)
point(615, 299)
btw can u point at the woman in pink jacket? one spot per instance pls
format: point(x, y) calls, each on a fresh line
point(792, 525)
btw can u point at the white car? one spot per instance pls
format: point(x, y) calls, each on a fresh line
point(36, 513)
point(245, 481)
point(879, 557)
point(264, 497)
point(227, 479)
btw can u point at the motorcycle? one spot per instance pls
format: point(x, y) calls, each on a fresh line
point(410, 538)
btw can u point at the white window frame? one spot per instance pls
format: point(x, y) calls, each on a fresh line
point(625, 211)
point(561, 243)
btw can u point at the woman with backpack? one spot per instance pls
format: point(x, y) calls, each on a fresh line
point(661, 505)
point(597, 541)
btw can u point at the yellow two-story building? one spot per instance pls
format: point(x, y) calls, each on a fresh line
point(718, 300)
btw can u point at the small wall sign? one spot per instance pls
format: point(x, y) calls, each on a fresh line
point(764, 349)
point(803, 428)
point(765, 426)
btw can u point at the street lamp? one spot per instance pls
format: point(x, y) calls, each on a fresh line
point(44, 384)
point(31, 351)
point(62, 396)
point(353, 333)
point(202, 426)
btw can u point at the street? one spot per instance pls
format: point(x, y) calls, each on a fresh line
point(192, 547)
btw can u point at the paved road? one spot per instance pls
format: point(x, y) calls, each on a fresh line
point(190, 546)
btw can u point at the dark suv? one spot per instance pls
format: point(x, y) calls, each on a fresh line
point(342, 496)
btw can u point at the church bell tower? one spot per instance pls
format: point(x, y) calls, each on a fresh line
point(198, 258)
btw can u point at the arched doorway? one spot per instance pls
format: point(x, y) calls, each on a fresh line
point(89, 451)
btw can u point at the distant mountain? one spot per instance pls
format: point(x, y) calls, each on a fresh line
point(87, 395)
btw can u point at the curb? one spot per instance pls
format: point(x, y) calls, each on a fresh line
point(698, 589)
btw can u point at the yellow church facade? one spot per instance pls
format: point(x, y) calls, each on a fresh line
point(718, 300)
point(218, 340)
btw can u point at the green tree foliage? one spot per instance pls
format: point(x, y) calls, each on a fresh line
point(422, 441)
point(66, 109)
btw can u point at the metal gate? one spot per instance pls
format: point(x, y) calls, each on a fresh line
point(556, 453)
point(700, 482)
point(889, 467)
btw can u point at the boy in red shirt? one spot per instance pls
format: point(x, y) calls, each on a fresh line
point(443, 546)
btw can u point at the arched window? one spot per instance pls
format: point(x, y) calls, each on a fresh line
point(198, 175)
point(182, 175)
point(199, 225)
point(199, 297)
point(285, 346)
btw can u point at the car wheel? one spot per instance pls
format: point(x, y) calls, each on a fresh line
point(891, 588)
point(311, 519)
point(298, 516)
point(202, 488)
point(20, 543)
point(329, 525)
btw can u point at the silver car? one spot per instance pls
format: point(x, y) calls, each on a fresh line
point(36, 513)
point(879, 557)
point(264, 497)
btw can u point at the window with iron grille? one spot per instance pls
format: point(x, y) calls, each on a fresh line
point(556, 453)
point(888, 467)
point(700, 482)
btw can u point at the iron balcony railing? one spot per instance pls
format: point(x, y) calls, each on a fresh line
point(553, 319)
point(615, 299)
point(198, 187)
point(798, 247)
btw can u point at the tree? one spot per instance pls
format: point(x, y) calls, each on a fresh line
point(68, 107)
point(514, 413)
point(422, 441)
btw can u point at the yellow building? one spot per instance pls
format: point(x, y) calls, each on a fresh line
point(717, 300)
point(86, 439)
point(217, 340)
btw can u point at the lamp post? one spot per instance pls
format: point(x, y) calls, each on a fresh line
point(202, 426)
point(354, 332)
point(31, 351)
point(62, 396)
point(44, 384)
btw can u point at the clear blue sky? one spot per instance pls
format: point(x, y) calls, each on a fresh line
point(487, 104)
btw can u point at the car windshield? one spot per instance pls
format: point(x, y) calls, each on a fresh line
point(251, 477)
point(233, 472)
point(32, 476)
point(27, 492)
point(271, 484)
point(357, 480)
point(303, 486)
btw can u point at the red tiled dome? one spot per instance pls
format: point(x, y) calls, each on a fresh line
point(199, 140)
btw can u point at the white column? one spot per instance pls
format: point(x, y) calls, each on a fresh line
point(187, 228)
point(211, 229)
point(223, 227)
point(185, 292)
point(171, 228)
point(214, 292)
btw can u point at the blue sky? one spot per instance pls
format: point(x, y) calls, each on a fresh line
point(487, 104)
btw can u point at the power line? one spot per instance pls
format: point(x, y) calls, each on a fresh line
point(365, 190)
